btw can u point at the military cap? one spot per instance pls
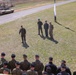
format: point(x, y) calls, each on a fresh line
point(18, 63)
point(50, 58)
point(63, 61)
point(46, 21)
point(24, 55)
point(5, 63)
point(32, 65)
point(3, 54)
point(13, 55)
point(36, 55)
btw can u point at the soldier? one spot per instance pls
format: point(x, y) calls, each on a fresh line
point(12, 62)
point(17, 70)
point(23, 34)
point(5, 65)
point(2, 59)
point(32, 71)
point(63, 71)
point(51, 31)
point(39, 23)
point(38, 65)
point(51, 65)
point(46, 27)
point(25, 65)
point(63, 63)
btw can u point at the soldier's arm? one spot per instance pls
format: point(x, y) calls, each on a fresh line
point(19, 31)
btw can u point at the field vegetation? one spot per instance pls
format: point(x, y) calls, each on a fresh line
point(64, 34)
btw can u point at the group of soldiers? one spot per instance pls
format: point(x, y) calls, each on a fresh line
point(47, 27)
point(14, 67)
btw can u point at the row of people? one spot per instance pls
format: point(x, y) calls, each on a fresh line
point(23, 67)
point(47, 27)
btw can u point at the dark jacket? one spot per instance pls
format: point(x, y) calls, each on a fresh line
point(38, 67)
point(52, 66)
point(25, 65)
point(67, 70)
point(46, 26)
point(2, 62)
point(12, 64)
point(22, 31)
point(39, 24)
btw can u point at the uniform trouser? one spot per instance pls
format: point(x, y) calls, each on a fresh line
point(23, 37)
point(46, 32)
point(40, 30)
point(51, 35)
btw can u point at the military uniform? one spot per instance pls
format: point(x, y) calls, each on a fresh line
point(40, 27)
point(51, 31)
point(25, 65)
point(17, 71)
point(2, 60)
point(52, 66)
point(12, 62)
point(46, 27)
point(23, 34)
point(38, 67)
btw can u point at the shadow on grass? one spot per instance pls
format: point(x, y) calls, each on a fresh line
point(64, 26)
point(53, 40)
point(43, 37)
point(25, 45)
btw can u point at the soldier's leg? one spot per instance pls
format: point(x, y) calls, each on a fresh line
point(22, 38)
point(41, 31)
point(38, 31)
point(46, 33)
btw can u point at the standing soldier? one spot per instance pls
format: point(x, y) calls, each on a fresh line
point(39, 23)
point(46, 27)
point(17, 70)
point(51, 65)
point(25, 65)
point(12, 62)
point(23, 34)
point(32, 71)
point(38, 65)
point(2, 60)
point(51, 31)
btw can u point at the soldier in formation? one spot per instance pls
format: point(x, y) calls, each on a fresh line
point(38, 65)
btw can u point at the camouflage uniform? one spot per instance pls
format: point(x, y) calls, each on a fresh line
point(25, 65)
point(38, 67)
point(17, 71)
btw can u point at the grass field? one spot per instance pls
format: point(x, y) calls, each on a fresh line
point(64, 34)
point(33, 4)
